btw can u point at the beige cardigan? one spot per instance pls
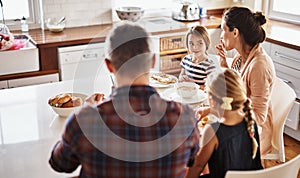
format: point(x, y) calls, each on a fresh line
point(258, 74)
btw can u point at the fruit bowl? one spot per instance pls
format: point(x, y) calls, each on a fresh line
point(63, 110)
point(130, 13)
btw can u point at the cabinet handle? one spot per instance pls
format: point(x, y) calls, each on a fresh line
point(285, 56)
point(286, 81)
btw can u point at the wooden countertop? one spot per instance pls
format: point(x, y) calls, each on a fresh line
point(281, 33)
point(284, 34)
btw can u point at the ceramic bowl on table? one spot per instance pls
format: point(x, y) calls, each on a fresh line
point(64, 107)
point(186, 89)
point(130, 13)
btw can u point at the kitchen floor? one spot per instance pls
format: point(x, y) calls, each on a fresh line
point(292, 149)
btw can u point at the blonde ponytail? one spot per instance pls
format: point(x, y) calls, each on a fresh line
point(250, 126)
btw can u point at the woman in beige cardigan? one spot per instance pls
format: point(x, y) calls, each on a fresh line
point(242, 30)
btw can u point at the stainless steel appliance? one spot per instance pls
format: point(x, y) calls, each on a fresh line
point(186, 11)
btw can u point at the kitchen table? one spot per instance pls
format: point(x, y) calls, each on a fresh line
point(29, 128)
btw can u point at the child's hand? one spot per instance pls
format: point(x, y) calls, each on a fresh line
point(184, 78)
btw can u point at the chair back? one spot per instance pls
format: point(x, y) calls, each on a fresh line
point(288, 169)
point(282, 100)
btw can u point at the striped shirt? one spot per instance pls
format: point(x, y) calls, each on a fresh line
point(133, 133)
point(197, 72)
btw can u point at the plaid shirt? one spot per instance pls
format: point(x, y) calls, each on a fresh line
point(133, 133)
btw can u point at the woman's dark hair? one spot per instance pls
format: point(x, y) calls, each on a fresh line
point(248, 23)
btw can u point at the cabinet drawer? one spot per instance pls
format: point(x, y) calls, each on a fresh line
point(285, 56)
point(290, 76)
point(33, 80)
point(292, 120)
point(3, 84)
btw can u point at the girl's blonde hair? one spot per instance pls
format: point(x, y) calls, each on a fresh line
point(200, 31)
point(228, 84)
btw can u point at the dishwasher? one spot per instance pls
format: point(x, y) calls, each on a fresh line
point(84, 64)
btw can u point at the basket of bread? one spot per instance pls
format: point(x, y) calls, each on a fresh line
point(65, 103)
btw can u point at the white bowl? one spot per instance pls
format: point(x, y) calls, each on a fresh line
point(65, 112)
point(130, 13)
point(186, 89)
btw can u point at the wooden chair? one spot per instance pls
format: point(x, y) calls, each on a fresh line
point(282, 99)
point(288, 169)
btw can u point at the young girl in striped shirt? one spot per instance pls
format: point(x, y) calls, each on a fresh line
point(196, 66)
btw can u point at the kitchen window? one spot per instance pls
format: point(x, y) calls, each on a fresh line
point(284, 10)
point(11, 10)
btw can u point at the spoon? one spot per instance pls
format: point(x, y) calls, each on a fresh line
point(61, 20)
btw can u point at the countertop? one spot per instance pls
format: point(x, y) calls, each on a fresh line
point(281, 33)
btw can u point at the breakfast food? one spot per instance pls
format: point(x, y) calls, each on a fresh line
point(163, 78)
point(65, 100)
point(203, 121)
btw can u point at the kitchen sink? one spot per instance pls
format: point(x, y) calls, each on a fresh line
point(25, 59)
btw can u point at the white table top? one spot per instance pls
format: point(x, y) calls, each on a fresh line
point(29, 127)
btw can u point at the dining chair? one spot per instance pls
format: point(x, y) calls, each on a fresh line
point(282, 99)
point(288, 169)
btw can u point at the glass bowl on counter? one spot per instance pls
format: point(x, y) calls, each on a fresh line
point(55, 24)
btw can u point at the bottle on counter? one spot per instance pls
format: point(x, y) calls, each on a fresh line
point(24, 25)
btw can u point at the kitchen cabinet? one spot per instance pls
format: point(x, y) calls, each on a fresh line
point(287, 66)
point(3, 84)
point(29, 81)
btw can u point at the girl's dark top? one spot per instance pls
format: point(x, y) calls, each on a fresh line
point(234, 151)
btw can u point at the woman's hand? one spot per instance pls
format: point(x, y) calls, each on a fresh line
point(222, 53)
point(95, 98)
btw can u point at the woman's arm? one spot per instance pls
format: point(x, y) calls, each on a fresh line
point(208, 144)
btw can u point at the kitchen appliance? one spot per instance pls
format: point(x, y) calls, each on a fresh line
point(186, 11)
point(83, 64)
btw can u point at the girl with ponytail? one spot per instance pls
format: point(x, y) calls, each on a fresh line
point(232, 142)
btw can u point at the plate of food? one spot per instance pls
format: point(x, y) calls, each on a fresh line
point(162, 80)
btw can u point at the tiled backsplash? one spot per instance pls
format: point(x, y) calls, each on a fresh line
point(95, 12)
point(79, 12)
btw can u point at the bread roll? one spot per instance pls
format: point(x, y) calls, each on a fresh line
point(65, 100)
point(73, 102)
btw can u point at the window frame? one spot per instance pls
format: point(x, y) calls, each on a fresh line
point(281, 16)
point(34, 19)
